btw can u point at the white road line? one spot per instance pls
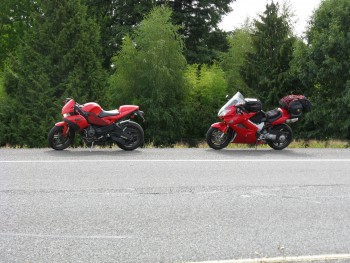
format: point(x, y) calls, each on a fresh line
point(61, 236)
point(315, 258)
point(176, 160)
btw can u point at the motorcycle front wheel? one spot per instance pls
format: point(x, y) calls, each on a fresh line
point(217, 139)
point(57, 140)
point(135, 131)
point(284, 137)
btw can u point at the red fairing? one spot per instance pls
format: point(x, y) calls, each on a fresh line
point(246, 133)
point(78, 120)
point(68, 107)
point(127, 109)
point(245, 130)
point(92, 107)
point(221, 126)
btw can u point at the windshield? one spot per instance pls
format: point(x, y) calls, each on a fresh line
point(235, 100)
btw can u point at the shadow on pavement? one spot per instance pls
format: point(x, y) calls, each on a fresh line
point(252, 152)
point(81, 152)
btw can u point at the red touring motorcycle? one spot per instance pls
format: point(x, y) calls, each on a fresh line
point(97, 126)
point(243, 121)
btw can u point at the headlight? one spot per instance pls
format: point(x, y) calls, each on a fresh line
point(66, 115)
point(223, 113)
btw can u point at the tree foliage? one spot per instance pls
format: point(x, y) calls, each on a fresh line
point(58, 58)
point(55, 49)
point(266, 70)
point(207, 91)
point(15, 19)
point(328, 68)
point(197, 20)
point(149, 72)
point(234, 59)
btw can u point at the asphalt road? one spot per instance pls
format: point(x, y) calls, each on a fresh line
point(172, 205)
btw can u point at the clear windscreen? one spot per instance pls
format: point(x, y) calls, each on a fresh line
point(237, 99)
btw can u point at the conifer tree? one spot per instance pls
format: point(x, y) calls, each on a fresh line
point(197, 20)
point(58, 58)
point(267, 68)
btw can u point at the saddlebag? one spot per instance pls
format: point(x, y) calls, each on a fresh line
point(295, 109)
point(252, 105)
point(295, 104)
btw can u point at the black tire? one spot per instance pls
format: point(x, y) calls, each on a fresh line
point(284, 137)
point(218, 140)
point(56, 139)
point(137, 136)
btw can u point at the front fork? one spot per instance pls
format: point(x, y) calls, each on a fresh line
point(65, 127)
point(224, 128)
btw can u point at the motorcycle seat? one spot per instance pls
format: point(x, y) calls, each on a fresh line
point(273, 115)
point(105, 113)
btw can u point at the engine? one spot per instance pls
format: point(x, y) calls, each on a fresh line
point(100, 134)
point(271, 136)
point(90, 134)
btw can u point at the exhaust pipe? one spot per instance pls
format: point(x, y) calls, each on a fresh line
point(271, 137)
point(292, 120)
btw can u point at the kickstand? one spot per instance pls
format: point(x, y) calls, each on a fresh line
point(92, 145)
point(256, 145)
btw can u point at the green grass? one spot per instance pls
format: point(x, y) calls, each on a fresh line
point(336, 144)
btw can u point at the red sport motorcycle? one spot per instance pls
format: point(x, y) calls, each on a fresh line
point(97, 126)
point(243, 121)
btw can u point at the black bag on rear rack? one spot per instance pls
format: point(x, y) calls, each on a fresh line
point(295, 109)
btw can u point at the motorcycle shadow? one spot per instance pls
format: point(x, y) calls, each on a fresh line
point(262, 152)
point(82, 152)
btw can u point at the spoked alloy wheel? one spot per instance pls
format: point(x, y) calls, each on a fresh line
point(217, 139)
point(284, 137)
point(135, 131)
point(57, 140)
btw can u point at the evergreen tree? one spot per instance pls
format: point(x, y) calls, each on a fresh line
point(267, 68)
point(198, 21)
point(58, 58)
point(326, 66)
point(117, 19)
point(149, 72)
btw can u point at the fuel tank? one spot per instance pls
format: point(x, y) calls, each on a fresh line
point(92, 107)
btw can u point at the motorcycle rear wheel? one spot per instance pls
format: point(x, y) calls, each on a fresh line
point(57, 140)
point(218, 140)
point(137, 137)
point(281, 142)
